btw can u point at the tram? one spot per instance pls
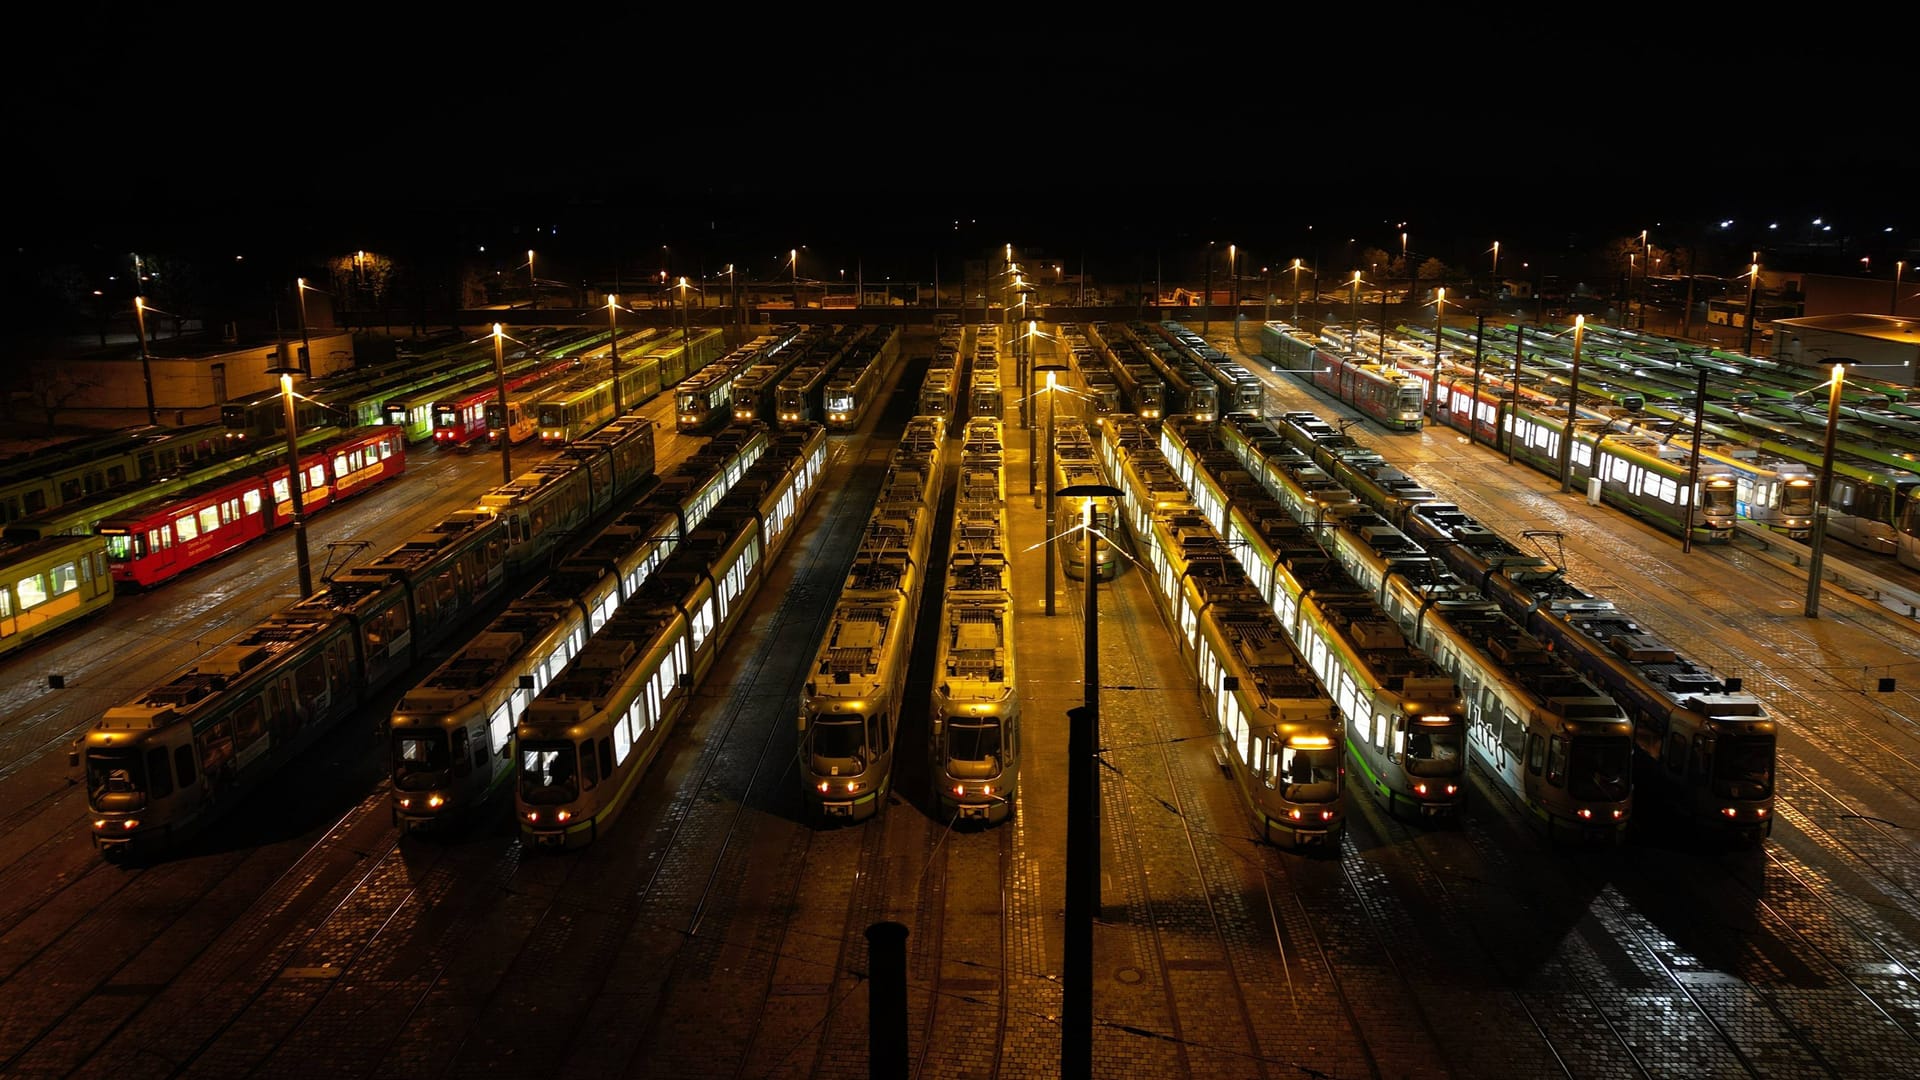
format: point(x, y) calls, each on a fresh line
point(47, 584)
point(855, 690)
point(974, 741)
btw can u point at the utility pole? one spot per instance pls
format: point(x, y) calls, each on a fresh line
point(500, 386)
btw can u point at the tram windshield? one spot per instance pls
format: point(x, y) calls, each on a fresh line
point(123, 548)
point(419, 759)
point(1312, 774)
point(1719, 500)
point(116, 779)
point(1434, 752)
point(973, 747)
point(1599, 770)
point(549, 773)
point(1743, 768)
point(836, 741)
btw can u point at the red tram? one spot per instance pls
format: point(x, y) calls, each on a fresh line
point(155, 541)
point(461, 416)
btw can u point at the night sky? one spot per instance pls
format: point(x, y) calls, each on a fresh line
point(916, 134)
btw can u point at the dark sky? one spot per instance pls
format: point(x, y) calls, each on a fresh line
point(715, 128)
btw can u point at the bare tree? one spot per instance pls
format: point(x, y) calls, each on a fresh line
point(53, 387)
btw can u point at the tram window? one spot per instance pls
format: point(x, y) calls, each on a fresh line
point(159, 777)
point(31, 590)
point(1676, 753)
point(460, 748)
point(185, 528)
point(183, 764)
point(1557, 762)
point(589, 770)
point(1536, 754)
point(311, 679)
point(249, 722)
point(209, 518)
point(65, 578)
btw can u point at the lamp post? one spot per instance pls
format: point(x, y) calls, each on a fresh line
point(1296, 294)
point(613, 344)
point(302, 561)
point(1894, 307)
point(146, 361)
point(1383, 326)
point(500, 388)
point(1626, 306)
point(793, 256)
point(1573, 403)
point(1494, 282)
point(1513, 384)
point(1817, 540)
point(1479, 340)
point(1753, 285)
point(1646, 267)
point(1439, 328)
point(686, 321)
point(1353, 326)
point(1693, 467)
point(1233, 291)
point(1206, 299)
point(1052, 371)
point(533, 283)
point(306, 345)
point(1083, 820)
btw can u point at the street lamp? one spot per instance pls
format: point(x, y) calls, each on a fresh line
point(1573, 404)
point(1052, 371)
point(146, 361)
point(500, 389)
point(306, 345)
point(1353, 326)
point(1233, 287)
point(613, 344)
point(1296, 293)
point(1818, 538)
point(533, 283)
point(1894, 308)
point(793, 257)
point(1753, 285)
point(1083, 819)
point(302, 561)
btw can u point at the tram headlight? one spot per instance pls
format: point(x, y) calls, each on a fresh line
point(562, 816)
point(99, 823)
point(823, 787)
point(1453, 789)
point(130, 824)
point(1729, 811)
point(1760, 811)
point(1326, 815)
point(1294, 814)
point(406, 803)
point(1420, 789)
point(533, 816)
point(435, 802)
point(1585, 813)
point(1618, 814)
point(959, 790)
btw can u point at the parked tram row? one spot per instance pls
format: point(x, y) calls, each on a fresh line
point(1761, 465)
point(154, 532)
point(1705, 747)
point(166, 763)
